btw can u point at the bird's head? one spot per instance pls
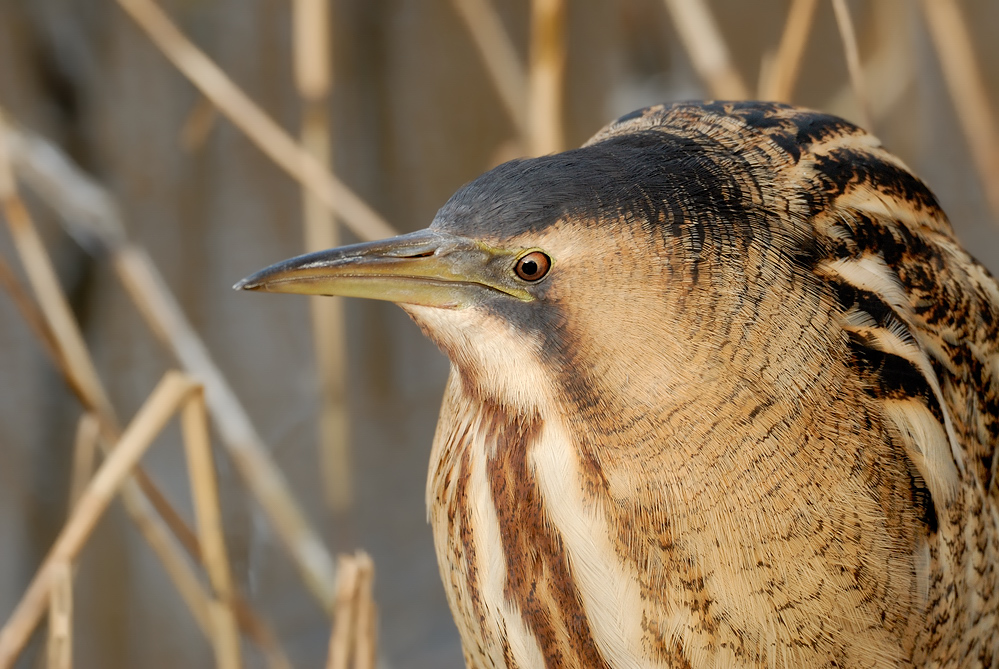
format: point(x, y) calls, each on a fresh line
point(633, 262)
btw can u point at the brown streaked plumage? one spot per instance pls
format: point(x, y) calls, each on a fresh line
point(747, 418)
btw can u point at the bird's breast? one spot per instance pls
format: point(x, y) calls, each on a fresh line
point(524, 552)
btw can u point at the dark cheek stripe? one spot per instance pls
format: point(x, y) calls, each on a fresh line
point(538, 578)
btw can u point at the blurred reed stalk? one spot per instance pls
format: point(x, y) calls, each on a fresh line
point(260, 128)
point(77, 199)
point(547, 77)
point(504, 65)
point(706, 47)
point(313, 77)
point(353, 641)
point(955, 49)
point(778, 79)
point(852, 53)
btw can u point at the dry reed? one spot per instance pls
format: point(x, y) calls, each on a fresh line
point(172, 391)
point(88, 434)
point(204, 489)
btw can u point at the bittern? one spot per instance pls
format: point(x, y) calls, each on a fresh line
point(723, 394)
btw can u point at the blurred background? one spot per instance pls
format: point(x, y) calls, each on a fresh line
point(209, 174)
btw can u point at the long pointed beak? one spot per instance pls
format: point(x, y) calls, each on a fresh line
point(427, 267)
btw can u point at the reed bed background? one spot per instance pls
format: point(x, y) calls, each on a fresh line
point(154, 152)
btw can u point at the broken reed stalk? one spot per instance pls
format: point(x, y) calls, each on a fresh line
point(505, 67)
point(547, 76)
point(136, 439)
point(314, 80)
point(89, 207)
point(779, 85)
point(366, 627)
point(208, 513)
point(70, 351)
point(706, 47)
point(59, 648)
point(353, 640)
point(343, 616)
point(952, 41)
point(246, 115)
point(88, 212)
point(849, 37)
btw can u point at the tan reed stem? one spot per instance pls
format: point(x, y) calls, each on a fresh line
point(88, 434)
point(547, 74)
point(343, 617)
point(59, 649)
point(33, 317)
point(889, 70)
point(204, 489)
point(779, 85)
point(72, 356)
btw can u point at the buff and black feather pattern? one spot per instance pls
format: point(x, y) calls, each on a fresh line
point(777, 449)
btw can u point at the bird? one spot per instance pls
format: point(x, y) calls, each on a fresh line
point(724, 392)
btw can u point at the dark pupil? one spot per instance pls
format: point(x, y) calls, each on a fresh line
point(530, 267)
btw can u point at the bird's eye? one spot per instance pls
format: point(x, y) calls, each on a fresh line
point(533, 266)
